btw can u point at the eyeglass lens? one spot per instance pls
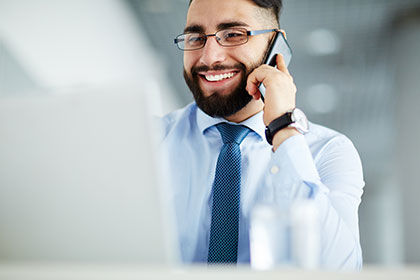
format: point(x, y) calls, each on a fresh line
point(225, 37)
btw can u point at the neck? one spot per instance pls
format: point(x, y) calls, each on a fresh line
point(252, 108)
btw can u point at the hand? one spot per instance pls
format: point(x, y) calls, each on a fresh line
point(280, 94)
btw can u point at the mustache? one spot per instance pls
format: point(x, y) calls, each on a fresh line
point(217, 67)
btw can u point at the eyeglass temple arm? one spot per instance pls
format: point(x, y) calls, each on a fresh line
point(257, 32)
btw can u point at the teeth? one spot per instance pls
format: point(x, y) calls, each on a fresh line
point(215, 78)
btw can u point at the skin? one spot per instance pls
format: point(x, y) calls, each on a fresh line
point(208, 15)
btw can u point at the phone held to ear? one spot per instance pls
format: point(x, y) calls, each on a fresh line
point(278, 45)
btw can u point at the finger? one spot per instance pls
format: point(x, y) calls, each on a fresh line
point(281, 64)
point(257, 95)
point(253, 91)
point(255, 79)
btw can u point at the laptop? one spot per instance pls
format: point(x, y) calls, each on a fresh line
point(80, 180)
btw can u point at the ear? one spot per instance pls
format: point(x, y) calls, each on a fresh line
point(284, 33)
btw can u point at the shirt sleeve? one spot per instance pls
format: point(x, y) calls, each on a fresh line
point(333, 177)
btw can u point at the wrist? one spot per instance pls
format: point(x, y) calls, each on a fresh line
point(283, 135)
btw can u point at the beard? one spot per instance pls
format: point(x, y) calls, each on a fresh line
point(218, 105)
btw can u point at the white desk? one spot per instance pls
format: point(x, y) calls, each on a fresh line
point(48, 271)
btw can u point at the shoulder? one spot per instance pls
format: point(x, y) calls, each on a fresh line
point(178, 120)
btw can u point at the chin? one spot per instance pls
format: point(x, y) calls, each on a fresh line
point(217, 103)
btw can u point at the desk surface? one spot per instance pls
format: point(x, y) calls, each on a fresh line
point(49, 271)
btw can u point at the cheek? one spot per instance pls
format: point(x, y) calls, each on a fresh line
point(249, 59)
point(259, 48)
point(250, 55)
point(189, 61)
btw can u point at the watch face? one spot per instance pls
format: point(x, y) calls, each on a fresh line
point(300, 120)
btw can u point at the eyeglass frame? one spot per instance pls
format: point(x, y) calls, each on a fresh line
point(248, 33)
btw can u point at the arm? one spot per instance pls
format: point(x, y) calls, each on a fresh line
point(335, 181)
point(333, 178)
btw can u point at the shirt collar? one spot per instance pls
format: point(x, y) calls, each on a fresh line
point(255, 122)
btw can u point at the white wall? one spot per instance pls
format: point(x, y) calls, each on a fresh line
point(407, 58)
point(67, 44)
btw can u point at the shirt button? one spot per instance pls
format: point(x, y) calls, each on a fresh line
point(275, 169)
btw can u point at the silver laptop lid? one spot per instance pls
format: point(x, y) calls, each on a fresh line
point(79, 180)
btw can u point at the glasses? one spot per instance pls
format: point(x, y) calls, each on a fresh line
point(229, 37)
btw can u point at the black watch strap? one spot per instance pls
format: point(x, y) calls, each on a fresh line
point(277, 125)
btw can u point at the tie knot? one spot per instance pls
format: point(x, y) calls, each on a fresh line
point(232, 133)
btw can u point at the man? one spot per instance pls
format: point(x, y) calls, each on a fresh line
point(216, 181)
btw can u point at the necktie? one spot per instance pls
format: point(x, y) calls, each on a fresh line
point(224, 229)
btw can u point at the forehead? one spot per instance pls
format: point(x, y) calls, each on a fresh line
point(211, 13)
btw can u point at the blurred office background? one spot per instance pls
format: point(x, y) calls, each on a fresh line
point(356, 65)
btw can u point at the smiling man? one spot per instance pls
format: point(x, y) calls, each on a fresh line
point(229, 151)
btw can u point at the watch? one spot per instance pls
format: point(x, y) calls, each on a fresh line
point(295, 118)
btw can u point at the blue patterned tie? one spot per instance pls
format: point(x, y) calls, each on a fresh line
point(224, 229)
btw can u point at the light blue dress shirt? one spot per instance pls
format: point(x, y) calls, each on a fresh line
point(322, 163)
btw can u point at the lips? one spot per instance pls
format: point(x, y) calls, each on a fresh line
point(218, 76)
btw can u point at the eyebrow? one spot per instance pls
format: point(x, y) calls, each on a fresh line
point(220, 26)
point(230, 24)
point(194, 28)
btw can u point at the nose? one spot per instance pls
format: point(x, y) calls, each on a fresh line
point(212, 53)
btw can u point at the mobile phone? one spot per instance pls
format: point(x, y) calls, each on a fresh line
point(278, 45)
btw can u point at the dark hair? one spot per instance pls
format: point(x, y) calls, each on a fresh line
point(274, 5)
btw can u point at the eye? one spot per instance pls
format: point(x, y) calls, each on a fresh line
point(233, 36)
point(194, 39)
